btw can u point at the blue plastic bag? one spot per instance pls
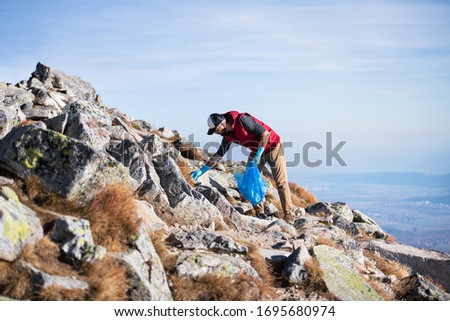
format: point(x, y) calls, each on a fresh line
point(251, 184)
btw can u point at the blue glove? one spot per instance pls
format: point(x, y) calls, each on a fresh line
point(257, 158)
point(195, 175)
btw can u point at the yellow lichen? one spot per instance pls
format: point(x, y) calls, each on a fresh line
point(14, 230)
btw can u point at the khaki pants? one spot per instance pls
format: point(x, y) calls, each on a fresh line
point(277, 161)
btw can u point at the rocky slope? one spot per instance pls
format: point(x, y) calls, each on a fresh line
point(97, 206)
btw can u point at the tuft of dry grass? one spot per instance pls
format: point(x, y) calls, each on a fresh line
point(107, 279)
point(390, 239)
point(48, 200)
point(213, 287)
point(300, 196)
point(315, 282)
point(14, 281)
point(112, 216)
point(389, 267)
point(381, 289)
point(44, 256)
point(190, 152)
point(168, 259)
point(185, 169)
point(56, 293)
point(322, 240)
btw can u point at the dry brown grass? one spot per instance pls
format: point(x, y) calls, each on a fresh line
point(168, 259)
point(216, 288)
point(315, 282)
point(389, 267)
point(107, 279)
point(44, 256)
point(112, 216)
point(190, 152)
point(390, 239)
point(14, 281)
point(322, 240)
point(172, 139)
point(185, 169)
point(382, 289)
point(259, 263)
point(48, 200)
point(56, 293)
point(300, 196)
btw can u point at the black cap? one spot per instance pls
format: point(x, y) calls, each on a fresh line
point(213, 121)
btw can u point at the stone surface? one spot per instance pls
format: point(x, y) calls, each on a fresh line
point(341, 278)
point(142, 283)
point(189, 206)
point(19, 225)
point(294, 270)
point(202, 240)
point(63, 165)
point(331, 209)
point(192, 265)
point(74, 236)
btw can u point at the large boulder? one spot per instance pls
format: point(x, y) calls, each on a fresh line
point(341, 278)
point(64, 166)
point(19, 225)
point(12, 100)
point(189, 206)
point(294, 270)
point(202, 240)
point(131, 155)
point(75, 237)
point(144, 284)
point(53, 84)
point(331, 210)
point(192, 265)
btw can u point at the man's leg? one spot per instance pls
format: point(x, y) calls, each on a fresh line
point(277, 163)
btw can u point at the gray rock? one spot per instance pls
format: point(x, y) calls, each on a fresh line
point(98, 113)
point(64, 165)
point(228, 212)
point(58, 123)
point(331, 209)
point(426, 262)
point(274, 257)
point(19, 225)
point(340, 276)
point(346, 225)
point(159, 287)
point(41, 280)
point(243, 207)
point(76, 240)
point(294, 270)
point(83, 127)
point(189, 206)
point(129, 130)
point(201, 240)
point(15, 98)
point(367, 225)
point(133, 157)
point(417, 288)
point(193, 265)
point(71, 88)
point(155, 145)
point(144, 285)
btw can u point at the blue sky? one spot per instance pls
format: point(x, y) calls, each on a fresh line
point(374, 73)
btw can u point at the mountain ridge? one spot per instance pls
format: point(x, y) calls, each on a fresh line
point(98, 206)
